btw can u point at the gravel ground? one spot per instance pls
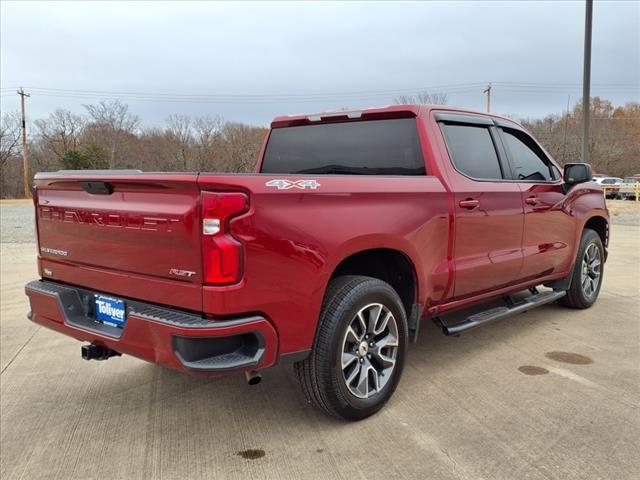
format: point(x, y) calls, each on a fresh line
point(624, 212)
point(17, 222)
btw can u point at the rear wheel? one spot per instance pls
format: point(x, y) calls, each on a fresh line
point(587, 273)
point(359, 351)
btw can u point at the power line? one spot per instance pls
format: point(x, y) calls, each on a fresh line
point(237, 99)
point(254, 96)
point(444, 88)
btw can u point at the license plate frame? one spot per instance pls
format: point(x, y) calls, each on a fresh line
point(110, 311)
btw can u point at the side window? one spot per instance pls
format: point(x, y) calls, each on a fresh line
point(472, 150)
point(528, 161)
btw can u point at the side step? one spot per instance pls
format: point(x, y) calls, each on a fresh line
point(499, 313)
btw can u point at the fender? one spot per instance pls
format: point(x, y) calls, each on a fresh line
point(586, 201)
point(372, 242)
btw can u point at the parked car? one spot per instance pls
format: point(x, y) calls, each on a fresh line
point(355, 227)
point(607, 180)
point(611, 186)
point(629, 189)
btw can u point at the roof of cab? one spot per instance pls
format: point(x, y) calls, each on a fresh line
point(390, 111)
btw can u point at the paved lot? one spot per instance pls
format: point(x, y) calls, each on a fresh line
point(554, 393)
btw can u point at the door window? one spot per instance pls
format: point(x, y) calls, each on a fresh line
point(527, 160)
point(472, 151)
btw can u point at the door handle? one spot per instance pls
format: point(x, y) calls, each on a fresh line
point(531, 200)
point(469, 203)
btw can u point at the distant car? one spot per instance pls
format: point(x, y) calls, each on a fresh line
point(606, 180)
point(629, 188)
point(612, 186)
point(597, 176)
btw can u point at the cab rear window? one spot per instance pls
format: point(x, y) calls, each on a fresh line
point(372, 147)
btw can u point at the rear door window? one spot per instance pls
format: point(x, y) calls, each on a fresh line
point(472, 151)
point(370, 147)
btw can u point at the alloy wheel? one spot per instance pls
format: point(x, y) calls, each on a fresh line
point(591, 268)
point(369, 350)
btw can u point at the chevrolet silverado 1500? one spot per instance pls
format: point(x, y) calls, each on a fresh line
point(355, 227)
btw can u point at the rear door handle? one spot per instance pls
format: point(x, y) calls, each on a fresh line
point(469, 203)
point(531, 200)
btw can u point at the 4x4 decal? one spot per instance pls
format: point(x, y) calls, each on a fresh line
point(282, 184)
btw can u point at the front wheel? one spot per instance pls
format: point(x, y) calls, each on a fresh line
point(359, 351)
point(588, 270)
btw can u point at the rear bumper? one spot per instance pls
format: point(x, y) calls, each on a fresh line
point(171, 338)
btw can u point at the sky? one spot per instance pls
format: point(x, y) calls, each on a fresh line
point(250, 62)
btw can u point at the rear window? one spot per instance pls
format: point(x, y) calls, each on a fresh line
point(373, 147)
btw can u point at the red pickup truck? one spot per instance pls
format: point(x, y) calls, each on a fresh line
point(355, 227)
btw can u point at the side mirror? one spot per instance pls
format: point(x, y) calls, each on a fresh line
point(577, 173)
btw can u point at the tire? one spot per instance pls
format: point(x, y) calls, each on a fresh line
point(579, 296)
point(354, 301)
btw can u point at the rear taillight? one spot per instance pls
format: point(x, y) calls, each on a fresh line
point(221, 252)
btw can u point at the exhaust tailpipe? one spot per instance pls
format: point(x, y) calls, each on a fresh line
point(253, 377)
point(97, 352)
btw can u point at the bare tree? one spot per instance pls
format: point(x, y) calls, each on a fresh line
point(112, 125)
point(179, 131)
point(9, 137)
point(61, 132)
point(207, 132)
point(423, 98)
point(239, 147)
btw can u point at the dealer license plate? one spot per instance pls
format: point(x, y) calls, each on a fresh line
point(110, 311)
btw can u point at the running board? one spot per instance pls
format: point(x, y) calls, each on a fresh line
point(499, 313)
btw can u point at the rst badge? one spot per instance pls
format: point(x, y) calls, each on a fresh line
point(178, 272)
point(282, 184)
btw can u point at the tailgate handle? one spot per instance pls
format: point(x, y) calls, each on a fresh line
point(97, 188)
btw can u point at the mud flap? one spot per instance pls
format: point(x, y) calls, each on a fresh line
point(414, 322)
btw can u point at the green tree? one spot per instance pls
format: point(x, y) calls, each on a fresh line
point(98, 157)
point(91, 156)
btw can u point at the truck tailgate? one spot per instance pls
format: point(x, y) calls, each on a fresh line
point(130, 234)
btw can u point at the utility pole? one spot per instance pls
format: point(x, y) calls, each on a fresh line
point(566, 119)
point(25, 150)
point(488, 92)
point(586, 80)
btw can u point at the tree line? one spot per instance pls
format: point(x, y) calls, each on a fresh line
point(614, 136)
point(109, 136)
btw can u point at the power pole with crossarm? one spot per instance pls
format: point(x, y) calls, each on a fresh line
point(488, 92)
point(25, 150)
